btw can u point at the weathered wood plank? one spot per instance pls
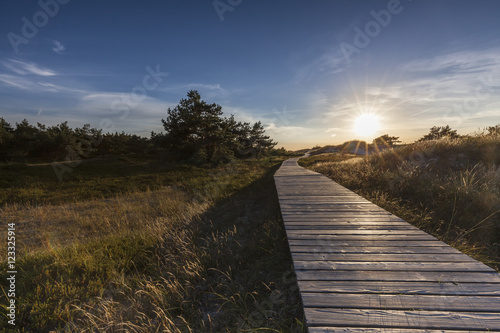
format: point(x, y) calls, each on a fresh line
point(408, 288)
point(322, 199)
point(355, 220)
point(373, 242)
point(348, 213)
point(363, 234)
point(347, 201)
point(337, 200)
point(345, 220)
point(402, 302)
point(388, 257)
point(373, 249)
point(470, 266)
point(341, 215)
point(403, 319)
point(359, 231)
point(317, 211)
point(300, 192)
point(463, 277)
point(365, 237)
point(313, 226)
point(383, 330)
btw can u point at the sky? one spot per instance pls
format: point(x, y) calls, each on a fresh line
point(309, 70)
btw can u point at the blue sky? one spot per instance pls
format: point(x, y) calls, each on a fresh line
point(306, 69)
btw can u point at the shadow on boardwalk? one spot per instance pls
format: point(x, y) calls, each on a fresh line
point(362, 269)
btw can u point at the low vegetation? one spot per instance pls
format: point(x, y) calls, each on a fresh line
point(329, 157)
point(449, 187)
point(358, 147)
point(180, 232)
point(141, 246)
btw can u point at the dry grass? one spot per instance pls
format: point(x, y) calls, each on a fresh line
point(47, 227)
point(206, 255)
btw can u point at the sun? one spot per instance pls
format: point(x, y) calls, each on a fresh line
point(366, 125)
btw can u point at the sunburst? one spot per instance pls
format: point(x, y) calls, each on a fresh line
point(366, 125)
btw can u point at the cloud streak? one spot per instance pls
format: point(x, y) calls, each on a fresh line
point(27, 68)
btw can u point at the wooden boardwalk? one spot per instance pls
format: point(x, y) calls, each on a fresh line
point(361, 269)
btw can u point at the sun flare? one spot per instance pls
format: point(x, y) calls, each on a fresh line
point(366, 125)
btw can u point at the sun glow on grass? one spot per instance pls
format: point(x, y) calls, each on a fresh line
point(366, 125)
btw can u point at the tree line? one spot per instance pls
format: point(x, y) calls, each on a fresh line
point(194, 130)
point(435, 133)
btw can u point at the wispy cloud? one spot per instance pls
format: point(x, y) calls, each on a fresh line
point(458, 89)
point(461, 62)
point(58, 47)
point(15, 81)
point(35, 86)
point(115, 103)
point(329, 63)
point(27, 68)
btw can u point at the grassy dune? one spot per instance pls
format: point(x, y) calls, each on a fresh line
point(141, 247)
point(449, 188)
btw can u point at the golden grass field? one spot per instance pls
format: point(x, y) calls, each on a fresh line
point(192, 249)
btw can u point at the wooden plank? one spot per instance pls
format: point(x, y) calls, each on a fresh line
point(408, 288)
point(383, 330)
point(335, 212)
point(331, 205)
point(470, 266)
point(360, 243)
point(299, 192)
point(354, 220)
point(293, 186)
point(402, 302)
point(356, 237)
point(348, 221)
point(353, 257)
point(321, 200)
point(359, 232)
point(373, 249)
point(313, 226)
point(345, 214)
point(345, 209)
point(306, 200)
point(463, 277)
point(403, 319)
